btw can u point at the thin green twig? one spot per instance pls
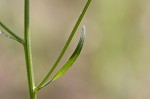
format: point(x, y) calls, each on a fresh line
point(65, 47)
point(27, 49)
point(70, 61)
point(19, 39)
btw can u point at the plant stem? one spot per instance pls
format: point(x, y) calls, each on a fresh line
point(65, 47)
point(28, 54)
point(20, 40)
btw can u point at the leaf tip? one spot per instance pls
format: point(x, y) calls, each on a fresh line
point(83, 30)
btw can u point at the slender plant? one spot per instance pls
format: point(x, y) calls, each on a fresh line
point(26, 42)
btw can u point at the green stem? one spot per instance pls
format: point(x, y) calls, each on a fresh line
point(20, 40)
point(65, 47)
point(28, 54)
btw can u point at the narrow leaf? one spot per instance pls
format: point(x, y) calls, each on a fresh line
point(70, 61)
point(43, 82)
point(73, 57)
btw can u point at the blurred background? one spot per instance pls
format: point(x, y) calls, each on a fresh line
point(115, 60)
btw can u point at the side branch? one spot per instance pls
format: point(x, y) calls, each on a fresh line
point(19, 39)
point(65, 47)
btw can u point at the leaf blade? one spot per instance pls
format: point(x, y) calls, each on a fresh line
point(73, 57)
